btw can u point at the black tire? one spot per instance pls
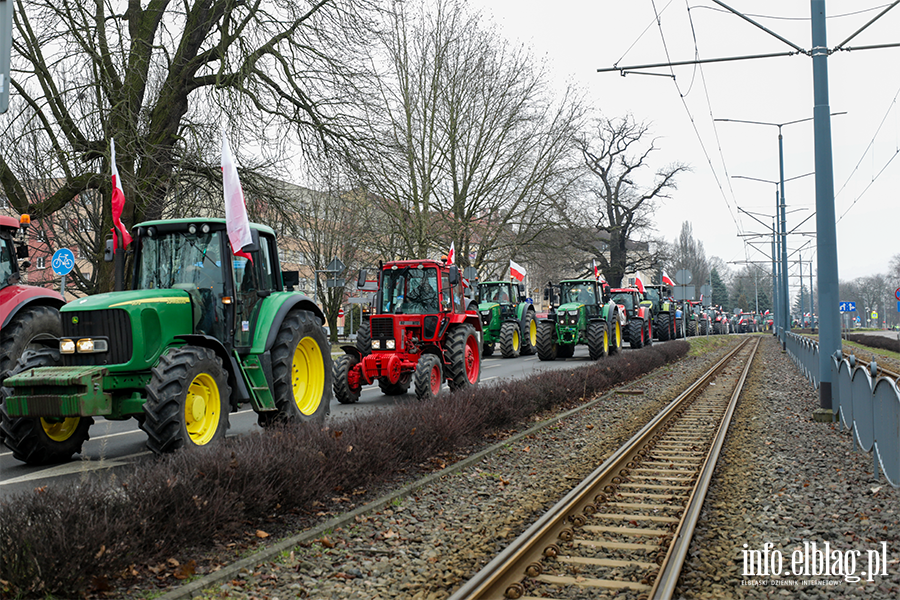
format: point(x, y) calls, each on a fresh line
point(692, 328)
point(41, 441)
point(546, 340)
point(565, 350)
point(635, 329)
point(428, 377)
point(615, 336)
point(182, 373)
point(663, 327)
point(679, 328)
point(648, 333)
point(487, 349)
point(598, 341)
point(343, 391)
point(528, 334)
point(395, 389)
point(301, 371)
point(510, 340)
point(704, 328)
point(462, 357)
point(17, 336)
point(364, 338)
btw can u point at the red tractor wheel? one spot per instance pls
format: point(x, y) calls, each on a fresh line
point(428, 377)
point(344, 391)
point(463, 358)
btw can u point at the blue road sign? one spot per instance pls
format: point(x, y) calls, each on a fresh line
point(848, 307)
point(63, 261)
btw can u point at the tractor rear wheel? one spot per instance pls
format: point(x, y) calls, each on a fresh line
point(546, 340)
point(395, 389)
point(364, 338)
point(428, 377)
point(343, 391)
point(615, 336)
point(529, 334)
point(41, 440)
point(648, 333)
point(663, 328)
point(463, 358)
point(635, 329)
point(598, 341)
point(19, 335)
point(692, 328)
point(510, 342)
point(187, 400)
point(301, 369)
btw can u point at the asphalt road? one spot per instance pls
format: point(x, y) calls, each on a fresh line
point(118, 443)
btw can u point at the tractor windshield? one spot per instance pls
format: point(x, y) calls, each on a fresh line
point(7, 256)
point(577, 291)
point(651, 294)
point(178, 259)
point(495, 292)
point(409, 291)
point(624, 299)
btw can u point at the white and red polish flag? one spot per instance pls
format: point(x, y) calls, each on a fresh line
point(516, 271)
point(667, 280)
point(118, 200)
point(639, 284)
point(236, 222)
point(451, 255)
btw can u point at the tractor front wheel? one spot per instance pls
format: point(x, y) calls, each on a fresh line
point(636, 333)
point(546, 340)
point(463, 358)
point(301, 369)
point(364, 338)
point(19, 335)
point(510, 342)
point(428, 377)
point(41, 440)
point(186, 403)
point(615, 342)
point(343, 391)
point(663, 328)
point(529, 334)
point(598, 341)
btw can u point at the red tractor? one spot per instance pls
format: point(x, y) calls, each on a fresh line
point(27, 313)
point(418, 333)
point(638, 330)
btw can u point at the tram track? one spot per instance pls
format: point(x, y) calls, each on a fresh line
point(628, 526)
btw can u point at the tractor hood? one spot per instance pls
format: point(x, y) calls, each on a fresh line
point(129, 299)
point(569, 306)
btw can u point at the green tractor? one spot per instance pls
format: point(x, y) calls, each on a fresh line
point(506, 319)
point(585, 315)
point(663, 308)
point(201, 332)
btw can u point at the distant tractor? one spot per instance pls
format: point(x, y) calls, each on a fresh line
point(201, 332)
point(663, 309)
point(419, 334)
point(638, 327)
point(27, 313)
point(506, 319)
point(585, 315)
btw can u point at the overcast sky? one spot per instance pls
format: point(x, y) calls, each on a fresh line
point(577, 38)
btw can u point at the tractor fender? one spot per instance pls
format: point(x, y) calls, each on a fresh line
point(273, 311)
point(525, 308)
point(353, 351)
point(239, 391)
point(14, 298)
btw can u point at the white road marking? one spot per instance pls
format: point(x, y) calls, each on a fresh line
point(79, 466)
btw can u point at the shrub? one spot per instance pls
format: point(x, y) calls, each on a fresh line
point(50, 541)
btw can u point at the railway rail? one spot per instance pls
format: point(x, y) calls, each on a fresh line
point(628, 526)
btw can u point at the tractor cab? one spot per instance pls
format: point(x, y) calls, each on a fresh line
point(629, 298)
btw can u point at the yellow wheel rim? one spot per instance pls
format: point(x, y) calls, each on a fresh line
point(516, 339)
point(605, 342)
point(308, 376)
point(532, 332)
point(60, 430)
point(202, 409)
point(618, 335)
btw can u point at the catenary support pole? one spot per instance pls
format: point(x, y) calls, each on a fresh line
point(826, 231)
point(785, 294)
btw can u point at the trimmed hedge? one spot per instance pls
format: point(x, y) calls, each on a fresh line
point(54, 540)
point(875, 341)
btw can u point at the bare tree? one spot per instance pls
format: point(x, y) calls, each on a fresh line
point(159, 76)
point(470, 146)
point(688, 254)
point(616, 152)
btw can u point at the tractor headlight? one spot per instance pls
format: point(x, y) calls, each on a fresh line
point(66, 347)
point(376, 344)
point(390, 344)
point(89, 346)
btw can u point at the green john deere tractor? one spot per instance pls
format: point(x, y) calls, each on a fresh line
point(585, 315)
point(201, 332)
point(506, 319)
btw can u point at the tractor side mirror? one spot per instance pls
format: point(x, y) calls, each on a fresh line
point(521, 289)
point(290, 279)
point(361, 280)
point(453, 275)
point(109, 253)
point(21, 251)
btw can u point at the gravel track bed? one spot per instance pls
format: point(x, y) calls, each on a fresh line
point(425, 545)
point(786, 480)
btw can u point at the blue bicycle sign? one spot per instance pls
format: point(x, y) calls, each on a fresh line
point(63, 261)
